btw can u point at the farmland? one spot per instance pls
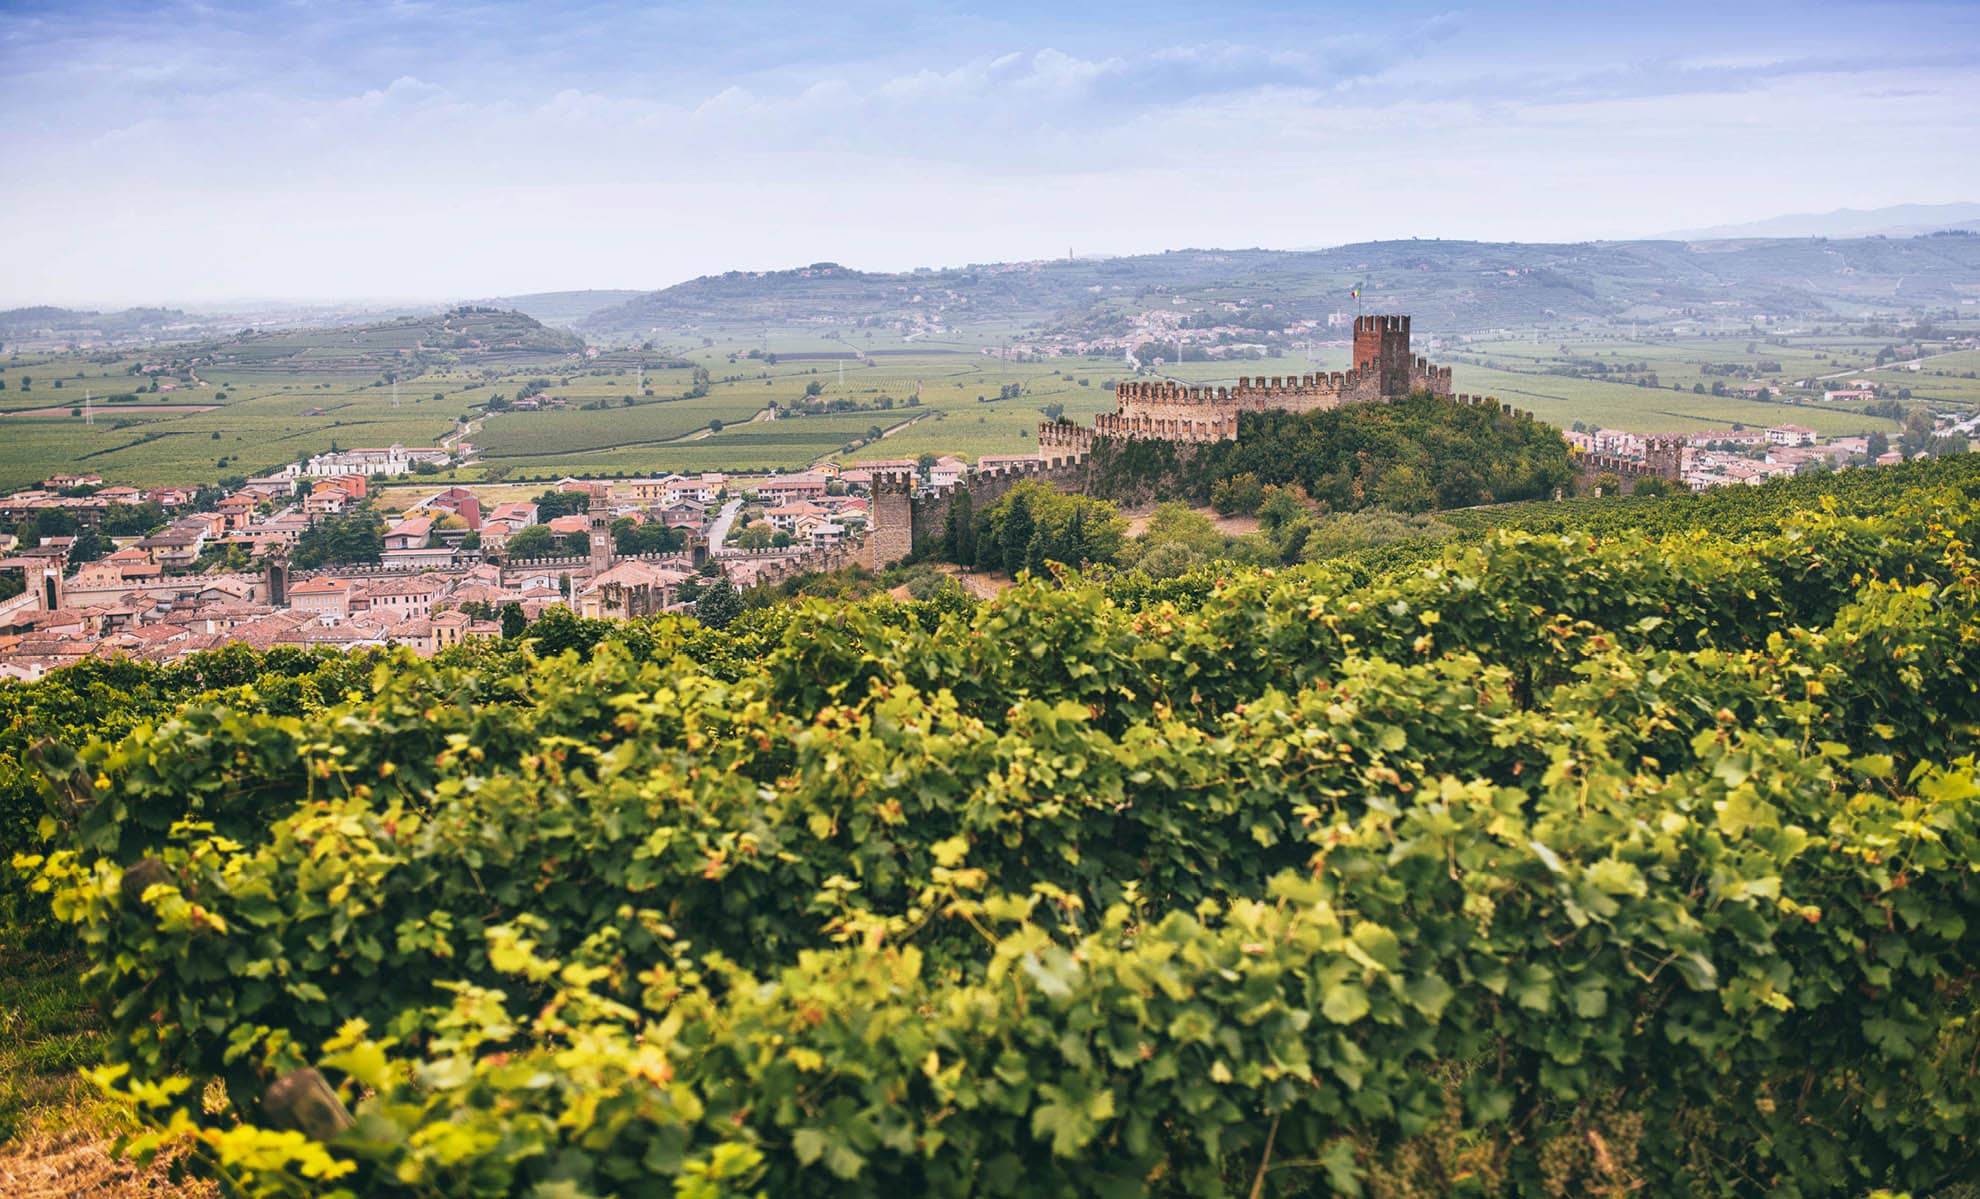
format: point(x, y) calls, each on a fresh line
point(256, 402)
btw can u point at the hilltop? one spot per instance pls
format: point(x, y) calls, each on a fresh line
point(562, 307)
point(1450, 285)
point(467, 335)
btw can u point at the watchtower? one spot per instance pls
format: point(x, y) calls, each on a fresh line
point(1665, 456)
point(1381, 345)
point(891, 537)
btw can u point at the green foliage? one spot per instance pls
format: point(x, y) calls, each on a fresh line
point(1553, 863)
point(719, 605)
point(532, 541)
point(353, 537)
point(1411, 455)
point(1033, 524)
point(631, 537)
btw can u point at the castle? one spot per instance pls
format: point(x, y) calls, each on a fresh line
point(905, 518)
point(1383, 369)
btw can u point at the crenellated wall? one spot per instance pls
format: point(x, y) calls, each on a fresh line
point(904, 521)
point(1383, 369)
point(1663, 458)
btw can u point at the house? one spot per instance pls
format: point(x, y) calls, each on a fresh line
point(1790, 435)
point(412, 534)
point(1850, 395)
point(456, 501)
point(785, 517)
point(403, 598)
point(174, 548)
point(323, 595)
point(668, 490)
point(171, 497)
point(326, 501)
point(789, 488)
point(120, 495)
point(686, 514)
point(66, 482)
point(237, 511)
point(947, 471)
point(631, 589)
point(507, 519)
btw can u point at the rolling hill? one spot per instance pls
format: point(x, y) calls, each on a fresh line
point(1450, 285)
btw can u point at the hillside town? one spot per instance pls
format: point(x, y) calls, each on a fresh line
point(364, 547)
point(158, 573)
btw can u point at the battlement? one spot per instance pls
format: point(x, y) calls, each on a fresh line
point(893, 482)
point(1220, 427)
point(1065, 435)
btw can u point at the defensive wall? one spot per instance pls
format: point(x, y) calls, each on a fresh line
point(1383, 369)
point(1663, 458)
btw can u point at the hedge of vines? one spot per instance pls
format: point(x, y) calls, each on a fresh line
point(1562, 864)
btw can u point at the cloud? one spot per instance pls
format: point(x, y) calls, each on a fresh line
point(442, 142)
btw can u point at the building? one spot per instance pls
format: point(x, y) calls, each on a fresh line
point(631, 589)
point(409, 534)
point(390, 460)
point(1790, 435)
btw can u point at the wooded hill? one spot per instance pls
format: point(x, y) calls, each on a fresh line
point(1447, 285)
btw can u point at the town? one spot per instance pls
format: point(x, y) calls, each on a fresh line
point(353, 548)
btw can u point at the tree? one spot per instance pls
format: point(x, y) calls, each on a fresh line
point(1018, 528)
point(356, 537)
point(1877, 445)
point(536, 541)
point(719, 605)
point(513, 621)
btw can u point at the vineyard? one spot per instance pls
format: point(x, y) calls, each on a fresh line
point(1624, 850)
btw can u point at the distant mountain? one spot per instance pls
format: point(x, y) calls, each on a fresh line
point(1902, 220)
point(561, 307)
point(1451, 286)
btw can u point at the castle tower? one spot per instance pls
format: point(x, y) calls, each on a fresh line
point(50, 586)
point(891, 535)
point(601, 533)
point(1665, 456)
point(1381, 344)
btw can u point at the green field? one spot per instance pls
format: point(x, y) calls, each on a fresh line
point(278, 398)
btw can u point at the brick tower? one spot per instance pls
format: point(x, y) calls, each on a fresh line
point(1381, 344)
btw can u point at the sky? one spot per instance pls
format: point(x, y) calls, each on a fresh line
point(218, 151)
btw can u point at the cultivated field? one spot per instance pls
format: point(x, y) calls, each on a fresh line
point(270, 399)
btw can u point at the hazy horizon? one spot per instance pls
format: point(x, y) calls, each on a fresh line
point(213, 154)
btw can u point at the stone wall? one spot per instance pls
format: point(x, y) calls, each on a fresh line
point(1663, 459)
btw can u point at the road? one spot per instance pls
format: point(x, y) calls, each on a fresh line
point(719, 530)
point(1888, 366)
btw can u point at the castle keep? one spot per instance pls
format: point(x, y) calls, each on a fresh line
point(1383, 369)
point(905, 518)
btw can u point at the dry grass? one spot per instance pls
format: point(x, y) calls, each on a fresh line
point(58, 1166)
point(57, 1138)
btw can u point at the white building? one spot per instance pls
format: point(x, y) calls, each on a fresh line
point(391, 460)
